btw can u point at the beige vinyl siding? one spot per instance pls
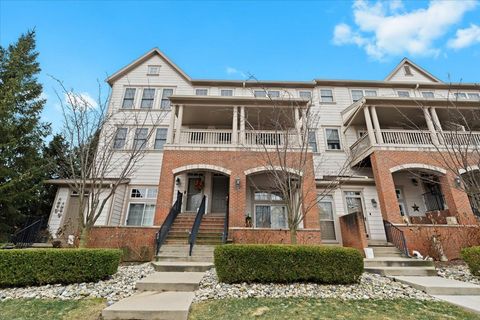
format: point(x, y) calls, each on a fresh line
point(118, 205)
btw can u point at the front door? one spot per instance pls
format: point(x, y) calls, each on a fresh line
point(194, 193)
point(355, 205)
point(219, 193)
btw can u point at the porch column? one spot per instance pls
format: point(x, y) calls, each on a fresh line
point(376, 125)
point(456, 200)
point(171, 127)
point(298, 125)
point(242, 125)
point(235, 125)
point(430, 126)
point(436, 122)
point(179, 123)
point(368, 120)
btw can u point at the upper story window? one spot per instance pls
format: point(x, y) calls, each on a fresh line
point(467, 95)
point(120, 138)
point(144, 193)
point(333, 138)
point(357, 94)
point(201, 92)
point(326, 95)
point(273, 93)
point(166, 94)
point(403, 94)
point(428, 94)
point(160, 138)
point(153, 70)
point(260, 93)
point(128, 98)
point(226, 92)
point(460, 95)
point(474, 96)
point(407, 70)
point(305, 95)
point(140, 138)
point(147, 98)
point(312, 140)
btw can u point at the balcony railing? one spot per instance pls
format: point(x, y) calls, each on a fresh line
point(360, 145)
point(252, 138)
point(460, 138)
point(417, 137)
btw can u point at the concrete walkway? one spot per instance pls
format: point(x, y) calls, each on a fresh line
point(164, 295)
point(462, 294)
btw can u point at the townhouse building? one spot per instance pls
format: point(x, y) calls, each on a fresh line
point(206, 154)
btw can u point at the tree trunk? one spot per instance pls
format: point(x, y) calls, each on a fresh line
point(84, 234)
point(293, 236)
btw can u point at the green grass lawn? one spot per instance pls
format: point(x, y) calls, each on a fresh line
point(33, 309)
point(309, 308)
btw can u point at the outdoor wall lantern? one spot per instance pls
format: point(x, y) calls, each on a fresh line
point(458, 182)
point(374, 203)
point(237, 183)
point(178, 182)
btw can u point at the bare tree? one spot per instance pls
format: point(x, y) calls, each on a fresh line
point(282, 135)
point(101, 156)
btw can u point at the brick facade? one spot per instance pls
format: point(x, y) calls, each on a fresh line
point(353, 231)
point(261, 236)
point(237, 162)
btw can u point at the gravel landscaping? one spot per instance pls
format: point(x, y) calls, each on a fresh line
point(456, 271)
point(371, 286)
point(119, 286)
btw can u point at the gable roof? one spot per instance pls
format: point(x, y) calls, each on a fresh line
point(146, 56)
point(406, 61)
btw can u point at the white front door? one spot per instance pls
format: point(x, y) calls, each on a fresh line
point(354, 203)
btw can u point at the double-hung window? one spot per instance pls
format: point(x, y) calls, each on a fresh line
point(166, 94)
point(403, 94)
point(460, 95)
point(128, 98)
point(270, 210)
point(357, 94)
point(327, 218)
point(474, 96)
point(428, 94)
point(120, 138)
point(147, 98)
point(333, 138)
point(141, 209)
point(260, 93)
point(274, 93)
point(160, 138)
point(312, 140)
point(226, 92)
point(201, 92)
point(326, 95)
point(140, 138)
point(305, 95)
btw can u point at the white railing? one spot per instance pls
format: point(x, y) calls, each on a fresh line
point(360, 145)
point(271, 138)
point(460, 138)
point(205, 137)
point(417, 137)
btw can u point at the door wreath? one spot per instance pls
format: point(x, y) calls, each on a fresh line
point(199, 184)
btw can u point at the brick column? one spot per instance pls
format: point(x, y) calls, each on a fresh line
point(237, 200)
point(456, 200)
point(385, 189)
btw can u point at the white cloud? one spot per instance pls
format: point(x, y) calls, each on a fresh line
point(234, 71)
point(83, 99)
point(382, 30)
point(465, 37)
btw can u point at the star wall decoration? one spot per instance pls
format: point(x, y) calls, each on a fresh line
point(415, 207)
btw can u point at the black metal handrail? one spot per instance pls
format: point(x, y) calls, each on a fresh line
point(26, 236)
point(396, 236)
point(434, 201)
point(196, 225)
point(225, 223)
point(167, 224)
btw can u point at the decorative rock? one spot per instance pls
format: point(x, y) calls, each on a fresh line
point(457, 272)
point(371, 286)
point(119, 286)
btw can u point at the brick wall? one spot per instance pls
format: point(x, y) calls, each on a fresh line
point(269, 236)
point(237, 162)
point(352, 227)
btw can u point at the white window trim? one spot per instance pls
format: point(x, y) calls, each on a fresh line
point(363, 92)
point(315, 132)
point(143, 213)
point(335, 218)
point(270, 204)
point(421, 94)
point(339, 137)
point(134, 98)
point(326, 102)
point(220, 91)
point(155, 98)
point(155, 138)
point(402, 90)
point(310, 91)
point(153, 74)
point(195, 92)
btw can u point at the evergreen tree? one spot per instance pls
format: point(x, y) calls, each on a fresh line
point(22, 168)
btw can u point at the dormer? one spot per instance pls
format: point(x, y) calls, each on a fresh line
point(407, 71)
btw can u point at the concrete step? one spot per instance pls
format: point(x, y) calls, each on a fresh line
point(402, 271)
point(180, 247)
point(379, 243)
point(185, 258)
point(385, 249)
point(440, 286)
point(170, 281)
point(396, 262)
point(151, 305)
point(180, 266)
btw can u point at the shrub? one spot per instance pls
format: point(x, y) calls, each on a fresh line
point(287, 263)
point(23, 267)
point(471, 256)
